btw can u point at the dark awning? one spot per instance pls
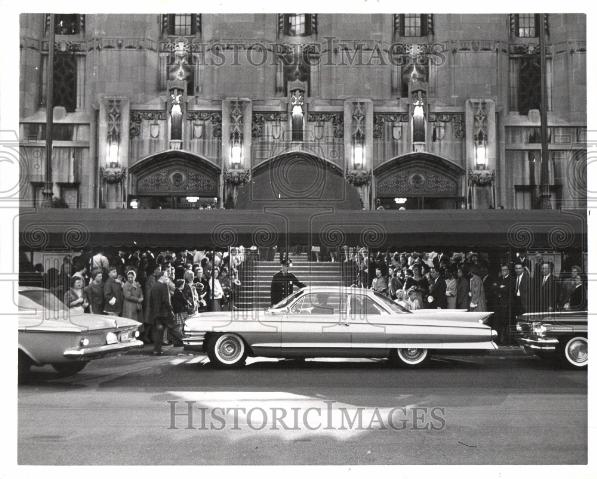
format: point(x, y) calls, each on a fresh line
point(71, 229)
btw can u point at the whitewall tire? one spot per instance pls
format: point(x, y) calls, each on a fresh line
point(226, 350)
point(412, 357)
point(576, 352)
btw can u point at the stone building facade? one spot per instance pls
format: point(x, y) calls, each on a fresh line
point(347, 110)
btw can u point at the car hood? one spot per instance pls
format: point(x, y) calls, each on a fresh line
point(564, 317)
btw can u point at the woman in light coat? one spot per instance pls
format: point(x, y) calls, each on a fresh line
point(133, 298)
point(477, 292)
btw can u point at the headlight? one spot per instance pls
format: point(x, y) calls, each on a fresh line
point(518, 328)
point(136, 334)
point(84, 342)
point(539, 329)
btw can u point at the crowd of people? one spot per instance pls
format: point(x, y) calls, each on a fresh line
point(468, 281)
point(160, 289)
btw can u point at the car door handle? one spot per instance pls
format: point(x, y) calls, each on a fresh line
point(345, 324)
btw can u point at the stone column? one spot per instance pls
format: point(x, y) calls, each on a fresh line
point(358, 117)
point(480, 120)
point(113, 140)
point(237, 116)
point(81, 60)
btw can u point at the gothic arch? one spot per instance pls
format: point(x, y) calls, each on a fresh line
point(419, 175)
point(174, 172)
point(298, 179)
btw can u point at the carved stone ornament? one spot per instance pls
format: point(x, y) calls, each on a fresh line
point(358, 118)
point(113, 175)
point(416, 182)
point(237, 176)
point(337, 120)
point(137, 116)
point(358, 177)
point(481, 177)
point(113, 118)
point(236, 118)
point(259, 120)
point(379, 120)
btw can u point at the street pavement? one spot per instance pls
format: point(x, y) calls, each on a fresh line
point(501, 408)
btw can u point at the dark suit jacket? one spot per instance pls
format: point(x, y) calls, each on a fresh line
point(282, 286)
point(160, 304)
point(462, 289)
point(437, 290)
point(503, 294)
point(578, 298)
point(112, 289)
point(522, 302)
point(548, 293)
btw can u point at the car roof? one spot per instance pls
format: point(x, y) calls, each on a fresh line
point(31, 288)
point(334, 289)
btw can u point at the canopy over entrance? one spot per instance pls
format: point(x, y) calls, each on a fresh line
point(64, 229)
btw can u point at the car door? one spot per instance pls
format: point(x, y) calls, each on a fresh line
point(369, 323)
point(316, 325)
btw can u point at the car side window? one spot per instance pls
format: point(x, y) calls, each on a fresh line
point(318, 303)
point(361, 306)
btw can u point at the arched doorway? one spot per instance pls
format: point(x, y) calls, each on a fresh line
point(173, 179)
point(298, 179)
point(419, 181)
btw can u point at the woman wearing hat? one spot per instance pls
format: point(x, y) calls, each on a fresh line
point(133, 297)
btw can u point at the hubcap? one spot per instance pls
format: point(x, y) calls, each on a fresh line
point(229, 349)
point(577, 351)
point(412, 355)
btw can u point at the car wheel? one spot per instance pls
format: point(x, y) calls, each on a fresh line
point(412, 357)
point(68, 369)
point(575, 352)
point(226, 350)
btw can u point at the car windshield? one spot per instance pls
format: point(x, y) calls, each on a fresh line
point(287, 300)
point(396, 308)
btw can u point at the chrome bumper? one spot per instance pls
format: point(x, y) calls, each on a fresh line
point(193, 341)
point(540, 344)
point(99, 351)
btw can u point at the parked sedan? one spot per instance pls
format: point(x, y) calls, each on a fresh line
point(50, 333)
point(558, 335)
point(336, 322)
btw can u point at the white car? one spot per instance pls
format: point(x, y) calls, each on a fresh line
point(50, 333)
point(336, 322)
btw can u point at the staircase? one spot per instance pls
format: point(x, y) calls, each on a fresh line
point(256, 277)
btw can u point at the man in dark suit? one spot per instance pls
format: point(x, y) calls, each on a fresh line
point(502, 319)
point(547, 289)
point(436, 298)
point(282, 284)
point(113, 296)
point(162, 313)
point(522, 291)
